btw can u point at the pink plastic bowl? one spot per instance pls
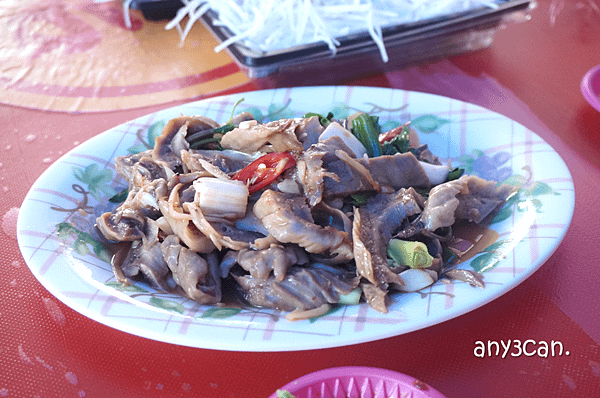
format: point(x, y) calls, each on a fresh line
point(590, 87)
point(358, 382)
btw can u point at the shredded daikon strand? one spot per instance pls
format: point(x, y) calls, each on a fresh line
point(270, 25)
point(126, 6)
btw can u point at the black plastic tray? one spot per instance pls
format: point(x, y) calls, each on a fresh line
point(405, 44)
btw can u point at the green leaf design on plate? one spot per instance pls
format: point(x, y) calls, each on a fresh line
point(539, 188)
point(489, 257)
point(503, 214)
point(390, 124)
point(137, 149)
point(125, 288)
point(496, 246)
point(339, 110)
point(516, 180)
point(279, 111)
point(154, 131)
point(167, 305)
point(486, 261)
point(80, 248)
point(96, 179)
point(527, 194)
point(467, 162)
point(256, 113)
point(220, 312)
point(82, 239)
point(428, 123)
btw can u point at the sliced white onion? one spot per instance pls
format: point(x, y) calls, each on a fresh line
point(437, 174)
point(216, 196)
point(415, 279)
point(335, 129)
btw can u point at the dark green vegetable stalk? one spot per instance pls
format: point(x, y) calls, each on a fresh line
point(214, 136)
point(367, 131)
point(455, 174)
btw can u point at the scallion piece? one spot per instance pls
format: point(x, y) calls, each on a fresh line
point(412, 254)
point(351, 298)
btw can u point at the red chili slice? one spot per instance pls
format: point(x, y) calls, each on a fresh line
point(390, 135)
point(264, 170)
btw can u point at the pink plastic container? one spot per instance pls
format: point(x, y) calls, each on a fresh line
point(358, 382)
point(590, 87)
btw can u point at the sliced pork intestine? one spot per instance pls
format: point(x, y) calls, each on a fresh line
point(302, 288)
point(198, 279)
point(288, 219)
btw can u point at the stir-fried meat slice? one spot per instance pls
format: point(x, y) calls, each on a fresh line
point(227, 161)
point(139, 168)
point(242, 117)
point(191, 272)
point(236, 234)
point(308, 131)
point(325, 214)
point(349, 181)
point(126, 165)
point(383, 173)
point(276, 259)
point(288, 219)
point(252, 137)
point(145, 199)
point(203, 225)
point(441, 205)
point(481, 198)
point(370, 253)
point(473, 278)
point(312, 168)
point(145, 259)
point(201, 166)
point(171, 142)
point(360, 168)
point(372, 229)
point(425, 155)
point(302, 288)
point(117, 227)
point(375, 296)
point(469, 197)
point(401, 170)
point(127, 222)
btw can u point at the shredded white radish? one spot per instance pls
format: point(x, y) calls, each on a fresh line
point(126, 6)
point(270, 25)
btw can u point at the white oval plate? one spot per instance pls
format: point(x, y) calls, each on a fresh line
point(57, 237)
